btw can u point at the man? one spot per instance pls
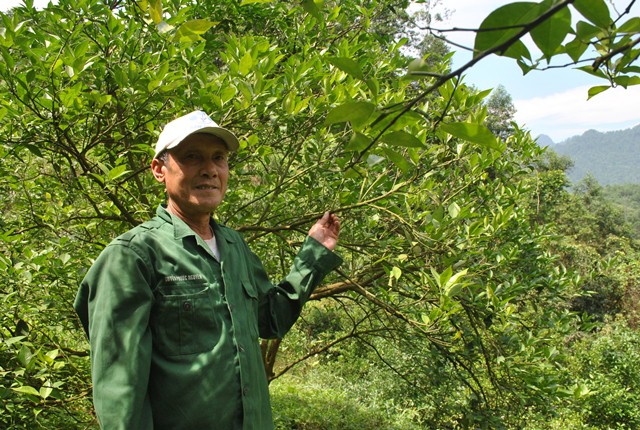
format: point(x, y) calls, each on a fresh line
point(174, 308)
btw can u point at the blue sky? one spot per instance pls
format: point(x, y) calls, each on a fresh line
point(552, 102)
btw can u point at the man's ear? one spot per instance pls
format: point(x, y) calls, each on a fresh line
point(156, 168)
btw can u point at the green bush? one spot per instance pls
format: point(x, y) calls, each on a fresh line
point(608, 362)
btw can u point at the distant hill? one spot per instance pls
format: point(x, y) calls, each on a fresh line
point(612, 157)
point(544, 140)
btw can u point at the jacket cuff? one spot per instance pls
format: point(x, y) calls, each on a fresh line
point(319, 256)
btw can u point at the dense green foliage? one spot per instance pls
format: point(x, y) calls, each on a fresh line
point(612, 158)
point(469, 267)
point(626, 198)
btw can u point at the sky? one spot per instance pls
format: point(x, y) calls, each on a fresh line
point(552, 102)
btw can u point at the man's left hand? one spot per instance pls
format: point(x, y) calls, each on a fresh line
point(326, 230)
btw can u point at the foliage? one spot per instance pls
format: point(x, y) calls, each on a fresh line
point(626, 198)
point(500, 111)
point(323, 401)
point(449, 281)
point(608, 362)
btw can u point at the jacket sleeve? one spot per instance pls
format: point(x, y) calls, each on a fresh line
point(114, 303)
point(280, 305)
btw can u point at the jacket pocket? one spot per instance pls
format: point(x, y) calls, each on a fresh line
point(250, 299)
point(184, 319)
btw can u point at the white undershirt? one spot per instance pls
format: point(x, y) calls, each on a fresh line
point(213, 245)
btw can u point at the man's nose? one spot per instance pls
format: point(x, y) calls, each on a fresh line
point(209, 168)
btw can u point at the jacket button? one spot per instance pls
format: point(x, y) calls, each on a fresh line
point(186, 306)
point(245, 390)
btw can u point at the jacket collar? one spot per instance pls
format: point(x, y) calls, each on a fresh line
point(182, 230)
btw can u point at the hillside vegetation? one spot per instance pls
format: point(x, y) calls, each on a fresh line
point(612, 158)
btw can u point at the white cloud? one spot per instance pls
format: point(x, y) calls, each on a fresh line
point(568, 113)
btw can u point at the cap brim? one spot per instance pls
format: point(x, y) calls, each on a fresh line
point(229, 139)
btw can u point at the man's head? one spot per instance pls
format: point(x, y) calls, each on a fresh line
point(195, 122)
point(191, 160)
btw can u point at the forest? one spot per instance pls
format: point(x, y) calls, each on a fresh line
point(611, 157)
point(479, 289)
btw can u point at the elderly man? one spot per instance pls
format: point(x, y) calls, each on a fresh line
point(174, 307)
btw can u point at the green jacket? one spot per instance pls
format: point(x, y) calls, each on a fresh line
point(174, 334)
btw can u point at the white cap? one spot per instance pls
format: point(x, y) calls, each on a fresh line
point(195, 122)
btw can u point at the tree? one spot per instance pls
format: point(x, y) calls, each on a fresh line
point(500, 112)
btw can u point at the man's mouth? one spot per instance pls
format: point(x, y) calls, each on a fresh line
point(206, 187)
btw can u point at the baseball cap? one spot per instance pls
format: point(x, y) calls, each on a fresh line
point(195, 122)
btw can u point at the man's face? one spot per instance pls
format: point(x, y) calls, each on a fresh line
point(195, 174)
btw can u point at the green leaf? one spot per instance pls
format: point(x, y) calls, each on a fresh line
point(436, 276)
point(575, 49)
point(190, 31)
point(631, 69)
point(53, 354)
point(198, 26)
point(155, 11)
point(454, 279)
point(8, 59)
point(454, 210)
point(419, 68)
point(402, 138)
point(476, 133)
point(374, 87)
point(453, 286)
point(347, 65)
point(595, 72)
point(631, 26)
point(593, 91)
point(517, 51)
point(549, 35)
point(117, 171)
point(625, 81)
point(354, 112)
point(153, 84)
point(45, 391)
point(581, 391)
point(586, 31)
point(503, 25)
point(26, 389)
point(13, 340)
point(358, 142)
point(246, 63)
point(246, 2)
point(313, 8)
point(445, 276)
point(397, 159)
point(25, 356)
point(596, 11)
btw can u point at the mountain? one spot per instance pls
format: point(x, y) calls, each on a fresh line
point(544, 140)
point(611, 158)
